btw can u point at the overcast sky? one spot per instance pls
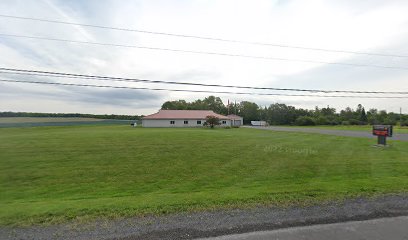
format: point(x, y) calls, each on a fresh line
point(363, 26)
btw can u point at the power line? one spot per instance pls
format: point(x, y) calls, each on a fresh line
point(193, 91)
point(199, 52)
point(120, 79)
point(204, 38)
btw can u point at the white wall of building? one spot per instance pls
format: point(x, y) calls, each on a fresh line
point(179, 123)
point(236, 122)
point(227, 123)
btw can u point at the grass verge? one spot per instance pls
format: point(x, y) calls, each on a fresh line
point(366, 128)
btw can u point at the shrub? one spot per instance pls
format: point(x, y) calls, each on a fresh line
point(212, 121)
point(390, 123)
point(345, 123)
point(404, 123)
point(305, 121)
point(227, 127)
point(322, 121)
point(333, 122)
point(356, 122)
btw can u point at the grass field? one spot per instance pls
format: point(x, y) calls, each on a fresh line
point(397, 129)
point(13, 122)
point(54, 174)
point(45, 119)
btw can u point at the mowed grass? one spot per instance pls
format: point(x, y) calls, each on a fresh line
point(55, 174)
point(365, 128)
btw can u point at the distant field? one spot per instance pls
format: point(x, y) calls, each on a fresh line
point(7, 122)
point(397, 129)
point(44, 119)
point(54, 174)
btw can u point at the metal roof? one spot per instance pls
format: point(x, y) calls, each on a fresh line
point(184, 114)
point(234, 117)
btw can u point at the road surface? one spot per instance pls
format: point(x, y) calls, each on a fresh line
point(378, 229)
point(363, 134)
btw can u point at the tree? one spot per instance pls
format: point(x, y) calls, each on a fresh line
point(363, 116)
point(249, 111)
point(372, 116)
point(281, 114)
point(346, 114)
point(359, 108)
point(209, 103)
point(175, 105)
point(382, 116)
point(212, 121)
point(234, 108)
point(215, 104)
point(328, 111)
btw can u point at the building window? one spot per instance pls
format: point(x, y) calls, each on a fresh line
point(185, 122)
point(199, 122)
point(172, 122)
point(224, 122)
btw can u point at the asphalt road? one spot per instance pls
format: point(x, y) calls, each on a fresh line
point(377, 229)
point(365, 134)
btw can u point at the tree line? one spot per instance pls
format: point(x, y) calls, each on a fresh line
point(274, 114)
point(79, 115)
point(282, 114)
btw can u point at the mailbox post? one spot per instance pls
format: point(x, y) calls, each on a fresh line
point(382, 132)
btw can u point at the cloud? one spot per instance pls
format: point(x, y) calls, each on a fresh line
point(368, 26)
point(129, 98)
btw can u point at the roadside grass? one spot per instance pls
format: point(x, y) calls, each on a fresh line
point(54, 174)
point(397, 129)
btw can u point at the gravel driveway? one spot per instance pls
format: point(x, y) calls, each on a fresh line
point(365, 134)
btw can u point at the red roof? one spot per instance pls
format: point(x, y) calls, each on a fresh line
point(184, 114)
point(234, 117)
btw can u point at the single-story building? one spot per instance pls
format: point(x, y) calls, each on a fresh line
point(184, 118)
point(236, 120)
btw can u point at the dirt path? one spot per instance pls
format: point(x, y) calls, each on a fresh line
point(365, 134)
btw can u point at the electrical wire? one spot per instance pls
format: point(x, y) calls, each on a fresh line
point(200, 52)
point(203, 37)
point(120, 79)
point(193, 91)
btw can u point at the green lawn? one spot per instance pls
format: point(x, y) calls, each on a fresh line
point(397, 129)
point(54, 174)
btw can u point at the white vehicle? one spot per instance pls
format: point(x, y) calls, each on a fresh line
point(258, 123)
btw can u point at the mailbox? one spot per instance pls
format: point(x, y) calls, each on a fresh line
point(382, 131)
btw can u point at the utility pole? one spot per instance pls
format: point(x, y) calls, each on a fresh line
point(228, 106)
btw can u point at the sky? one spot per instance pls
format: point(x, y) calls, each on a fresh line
point(360, 26)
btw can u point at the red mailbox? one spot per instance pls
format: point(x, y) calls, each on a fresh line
point(382, 131)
